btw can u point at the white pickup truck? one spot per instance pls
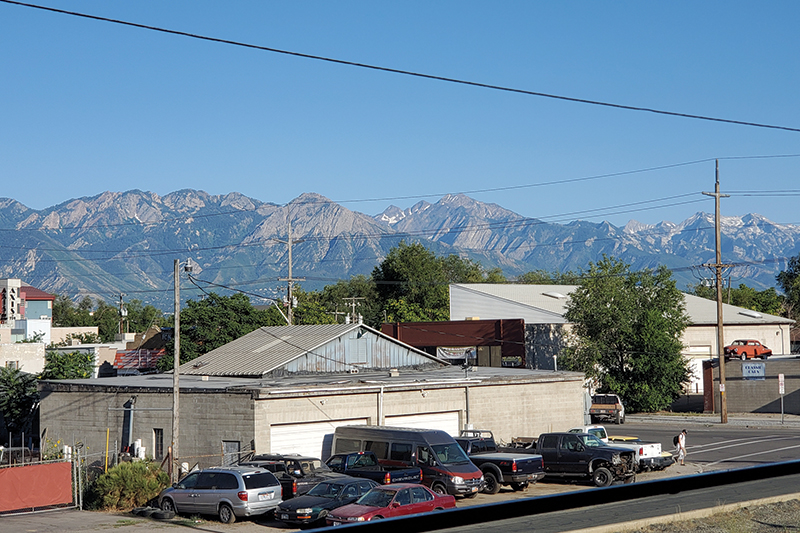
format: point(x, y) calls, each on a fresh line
point(648, 455)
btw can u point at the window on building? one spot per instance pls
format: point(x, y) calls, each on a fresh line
point(158, 443)
point(14, 365)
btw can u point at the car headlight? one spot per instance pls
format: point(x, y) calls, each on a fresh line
point(458, 480)
point(305, 510)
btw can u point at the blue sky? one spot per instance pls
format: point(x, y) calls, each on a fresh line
point(90, 106)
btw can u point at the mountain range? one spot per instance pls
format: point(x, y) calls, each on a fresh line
point(126, 243)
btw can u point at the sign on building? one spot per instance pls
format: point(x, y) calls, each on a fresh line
point(753, 370)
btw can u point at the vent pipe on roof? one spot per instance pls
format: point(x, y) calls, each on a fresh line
point(751, 314)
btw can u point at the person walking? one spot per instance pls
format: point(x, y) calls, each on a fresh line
point(681, 447)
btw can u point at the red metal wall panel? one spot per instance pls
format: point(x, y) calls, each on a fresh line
point(35, 486)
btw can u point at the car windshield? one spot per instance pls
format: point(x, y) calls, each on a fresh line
point(326, 490)
point(590, 441)
point(377, 498)
point(450, 454)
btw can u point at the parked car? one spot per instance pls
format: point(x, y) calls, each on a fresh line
point(312, 508)
point(365, 464)
point(500, 467)
point(446, 469)
point(581, 455)
point(387, 501)
point(279, 470)
point(230, 493)
point(747, 349)
point(307, 471)
point(596, 430)
point(648, 454)
point(608, 407)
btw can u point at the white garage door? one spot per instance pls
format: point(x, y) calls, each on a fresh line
point(447, 421)
point(313, 439)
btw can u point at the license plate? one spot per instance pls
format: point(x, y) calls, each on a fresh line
point(474, 489)
point(284, 517)
point(264, 496)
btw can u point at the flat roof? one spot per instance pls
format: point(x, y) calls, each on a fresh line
point(310, 383)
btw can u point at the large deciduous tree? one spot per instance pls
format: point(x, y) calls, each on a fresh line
point(767, 301)
point(19, 399)
point(413, 283)
point(789, 282)
point(215, 321)
point(627, 333)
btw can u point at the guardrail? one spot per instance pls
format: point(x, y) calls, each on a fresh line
point(482, 514)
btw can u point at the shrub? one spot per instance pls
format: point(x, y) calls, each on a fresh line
point(130, 485)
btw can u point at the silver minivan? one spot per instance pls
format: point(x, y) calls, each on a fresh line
point(228, 492)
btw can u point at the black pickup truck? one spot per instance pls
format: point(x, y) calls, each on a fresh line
point(306, 471)
point(366, 465)
point(500, 468)
point(581, 455)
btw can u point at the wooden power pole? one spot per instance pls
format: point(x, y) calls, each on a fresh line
point(718, 266)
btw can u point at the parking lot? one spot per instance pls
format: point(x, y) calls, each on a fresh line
point(75, 521)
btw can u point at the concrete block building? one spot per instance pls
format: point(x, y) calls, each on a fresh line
point(285, 389)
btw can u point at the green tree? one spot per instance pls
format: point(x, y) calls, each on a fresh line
point(215, 321)
point(71, 365)
point(789, 282)
point(627, 329)
point(413, 283)
point(310, 308)
point(361, 291)
point(141, 317)
point(767, 301)
point(18, 399)
point(543, 277)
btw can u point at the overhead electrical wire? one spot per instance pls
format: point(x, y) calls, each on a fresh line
point(407, 72)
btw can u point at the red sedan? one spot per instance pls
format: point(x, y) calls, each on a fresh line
point(747, 349)
point(388, 501)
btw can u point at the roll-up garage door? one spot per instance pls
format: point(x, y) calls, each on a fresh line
point(447, 421)
point(312, 439)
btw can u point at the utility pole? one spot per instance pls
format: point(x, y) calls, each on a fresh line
point(352, 302)
point(176, 364)
point(290, 279)
point(718, 266)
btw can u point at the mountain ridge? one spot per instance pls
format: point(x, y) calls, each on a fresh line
point(126, 242)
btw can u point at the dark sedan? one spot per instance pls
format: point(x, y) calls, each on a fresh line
point(312, 508)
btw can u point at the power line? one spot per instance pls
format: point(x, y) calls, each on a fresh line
point(407, 72)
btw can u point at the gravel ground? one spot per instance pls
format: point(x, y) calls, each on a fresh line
point(770, 518)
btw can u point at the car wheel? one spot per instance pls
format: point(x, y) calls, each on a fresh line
point(226, 515)
point(379, 517)
point(490, 484)
point(743, 356)
point(163, 515)
point(602, 477)
point(167, 505)
point(519, 486)
point(438, 488)
point(622, 419)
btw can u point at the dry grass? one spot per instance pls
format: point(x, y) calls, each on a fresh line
point(772, 518)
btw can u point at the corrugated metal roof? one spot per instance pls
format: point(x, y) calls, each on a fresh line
point(547, 297)
point(269, 348)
